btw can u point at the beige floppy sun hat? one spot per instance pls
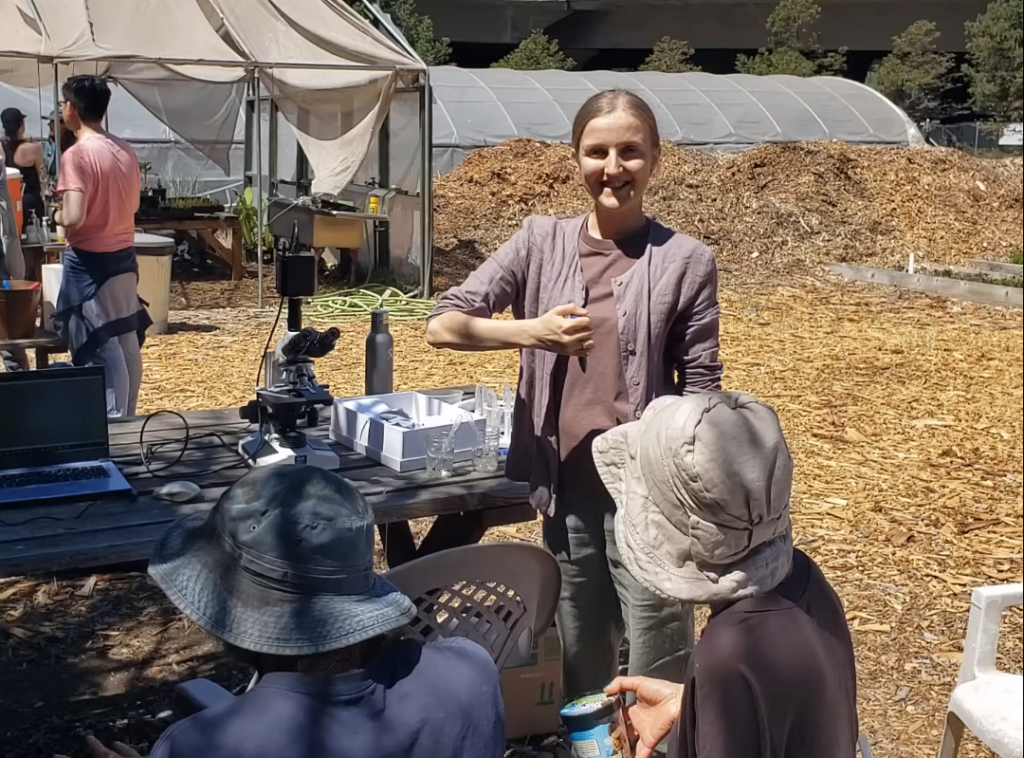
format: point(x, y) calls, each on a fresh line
point(702, 486)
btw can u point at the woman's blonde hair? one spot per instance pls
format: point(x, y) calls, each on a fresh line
point(615, 101)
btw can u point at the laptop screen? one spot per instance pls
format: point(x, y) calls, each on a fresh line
point(52, 416)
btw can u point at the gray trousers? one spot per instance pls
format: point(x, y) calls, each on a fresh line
point(601, 601)
point(121, 358)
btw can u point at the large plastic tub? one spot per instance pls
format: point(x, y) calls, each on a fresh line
point(155, 255)
point(19, 309)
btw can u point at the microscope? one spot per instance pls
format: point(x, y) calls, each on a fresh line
point(291, 393)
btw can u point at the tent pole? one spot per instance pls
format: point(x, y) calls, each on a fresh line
point(56, 115)
point(427, 187)
point(259, 187)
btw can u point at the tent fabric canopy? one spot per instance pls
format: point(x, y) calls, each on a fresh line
point(331, 73)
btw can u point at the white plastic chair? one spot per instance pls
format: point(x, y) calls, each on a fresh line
point(987, 702)
point(501, 595)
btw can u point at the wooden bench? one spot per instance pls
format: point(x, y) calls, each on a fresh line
point(44, 343)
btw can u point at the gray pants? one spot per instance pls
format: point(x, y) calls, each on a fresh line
point(601, 602)
point(121, 359)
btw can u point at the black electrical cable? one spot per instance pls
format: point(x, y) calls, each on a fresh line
point(33, 519)
point(146, 452)
point(270, 338)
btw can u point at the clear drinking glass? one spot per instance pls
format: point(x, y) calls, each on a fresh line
point(485, 454)
point(440, 455)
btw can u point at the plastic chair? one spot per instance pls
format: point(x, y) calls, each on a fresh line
point(986, 701)
point(500, 595)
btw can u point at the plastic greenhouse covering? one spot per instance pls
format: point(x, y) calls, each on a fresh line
point(480, 107)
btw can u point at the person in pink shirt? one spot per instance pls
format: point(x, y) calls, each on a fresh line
point(99, 312)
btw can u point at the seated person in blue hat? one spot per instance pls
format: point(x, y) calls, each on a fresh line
point(702, 487)
point(281, 570)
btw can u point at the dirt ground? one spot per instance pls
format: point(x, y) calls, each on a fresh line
point(903, 414)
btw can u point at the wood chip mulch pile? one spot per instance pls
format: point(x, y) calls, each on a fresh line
point(776, 208)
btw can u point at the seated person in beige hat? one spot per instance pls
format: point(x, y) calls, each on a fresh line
point(702, 487)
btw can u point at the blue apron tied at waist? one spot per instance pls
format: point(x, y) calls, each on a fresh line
point(99, 301)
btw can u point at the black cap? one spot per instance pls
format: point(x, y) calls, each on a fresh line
point(12, 118)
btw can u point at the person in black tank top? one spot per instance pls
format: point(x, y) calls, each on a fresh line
point(13, 122)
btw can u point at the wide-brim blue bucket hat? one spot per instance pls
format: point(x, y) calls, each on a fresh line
point(282, 565)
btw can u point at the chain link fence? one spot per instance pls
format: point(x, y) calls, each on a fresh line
point(984, 139)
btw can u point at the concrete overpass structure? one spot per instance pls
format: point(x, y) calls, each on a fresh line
point(595, 25)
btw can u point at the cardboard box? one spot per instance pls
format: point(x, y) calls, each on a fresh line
point(355, 424)
point(533, 691)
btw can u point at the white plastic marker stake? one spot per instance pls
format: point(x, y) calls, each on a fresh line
point(910, 263)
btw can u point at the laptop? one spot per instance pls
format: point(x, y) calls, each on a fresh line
point(53, 437)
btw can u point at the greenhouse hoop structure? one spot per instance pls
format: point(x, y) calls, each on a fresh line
point(484, 107)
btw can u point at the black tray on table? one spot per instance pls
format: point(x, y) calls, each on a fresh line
point(176, 214)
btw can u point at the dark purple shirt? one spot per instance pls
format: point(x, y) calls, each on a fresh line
point(773, 677)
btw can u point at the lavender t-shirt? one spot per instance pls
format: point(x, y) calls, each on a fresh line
point(437, 700)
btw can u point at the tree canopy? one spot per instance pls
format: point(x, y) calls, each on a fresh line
point(670, 56)
point(793, 45)
point(538, 52)
point(916, 75)
point(995, 67)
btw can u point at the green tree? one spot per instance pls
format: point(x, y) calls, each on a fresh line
point(995, 61)
point(793, 45)
point(916, 75)
point(418, 30)
point(538, 52)
point(672, 56)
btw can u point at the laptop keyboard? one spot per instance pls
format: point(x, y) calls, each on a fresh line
point(53, 476)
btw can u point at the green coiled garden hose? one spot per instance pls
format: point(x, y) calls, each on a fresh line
point(355, 305)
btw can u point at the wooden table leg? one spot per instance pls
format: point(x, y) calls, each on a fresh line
point(453, 530)
point(42, 357)
point(237, 271)
point(399, 544)
point(448, 531)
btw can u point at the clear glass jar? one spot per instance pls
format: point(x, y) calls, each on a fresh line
point(485, 454)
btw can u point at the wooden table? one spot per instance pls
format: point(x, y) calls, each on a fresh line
point(205, 226)
point(44, 343)
point(37, 255)
point(90, 534)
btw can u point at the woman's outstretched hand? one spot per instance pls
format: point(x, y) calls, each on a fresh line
point(566, 330)
point(655, 712)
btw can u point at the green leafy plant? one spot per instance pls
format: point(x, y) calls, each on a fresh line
point(671, 56)
point(418, 30)
point(1017, 258)
point(538, 52)
point(249, 217)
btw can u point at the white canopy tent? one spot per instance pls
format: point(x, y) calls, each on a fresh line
point(331, 74)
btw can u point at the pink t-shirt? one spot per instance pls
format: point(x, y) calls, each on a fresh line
point(104, 168)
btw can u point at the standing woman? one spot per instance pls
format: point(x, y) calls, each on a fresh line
point(27, 157)
point(612, 309)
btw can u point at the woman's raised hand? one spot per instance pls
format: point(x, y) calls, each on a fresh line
point(565, 330)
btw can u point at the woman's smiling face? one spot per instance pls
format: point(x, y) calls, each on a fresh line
point(616, 156)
